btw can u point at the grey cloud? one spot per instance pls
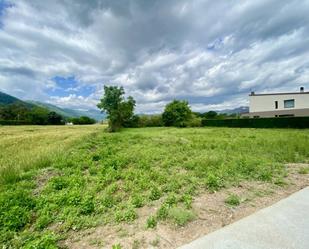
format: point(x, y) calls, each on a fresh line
point(211, 53)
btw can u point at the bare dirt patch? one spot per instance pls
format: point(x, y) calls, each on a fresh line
point(43, 177)
point(211, 210)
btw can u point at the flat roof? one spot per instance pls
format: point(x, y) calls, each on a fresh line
point(264, 94)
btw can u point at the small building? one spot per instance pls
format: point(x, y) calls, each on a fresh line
point(293, 104)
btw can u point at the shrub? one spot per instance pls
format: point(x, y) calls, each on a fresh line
point(194, 122)
point(283, 122)
point(150, 121)
point(177, 113)
point(83, 120)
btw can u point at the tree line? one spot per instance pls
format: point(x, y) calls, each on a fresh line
point(19, 113)
point(120, 112)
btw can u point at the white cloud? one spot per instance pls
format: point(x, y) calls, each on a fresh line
point(212, 53)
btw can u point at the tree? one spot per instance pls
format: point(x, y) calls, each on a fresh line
point(210, 115)
point(119, 111)
point(177, 113)
point(83, 120)
point(54, 118)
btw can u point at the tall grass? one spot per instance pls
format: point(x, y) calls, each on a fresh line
point(24, 148)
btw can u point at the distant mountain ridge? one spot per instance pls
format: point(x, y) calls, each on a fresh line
point(238, 110)
point(67, 112)
point(6, 99)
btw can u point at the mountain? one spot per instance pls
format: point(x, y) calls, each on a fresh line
point(6, 99)
point(66, 112)
point(238, 110)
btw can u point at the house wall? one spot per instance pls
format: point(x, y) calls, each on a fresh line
point(265, 103)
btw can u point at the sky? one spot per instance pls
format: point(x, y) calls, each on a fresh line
point(211, 53)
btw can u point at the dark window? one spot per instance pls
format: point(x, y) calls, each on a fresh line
point(276, 104)
point(289, 103)
point(256, 116)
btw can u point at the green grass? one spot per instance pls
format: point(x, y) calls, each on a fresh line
point(304, 170)
point(97, 178)
point(233, 200)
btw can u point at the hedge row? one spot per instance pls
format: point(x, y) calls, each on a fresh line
point(14, 122)
point(284, 122)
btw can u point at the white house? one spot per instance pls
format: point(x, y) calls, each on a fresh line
point(278, 104)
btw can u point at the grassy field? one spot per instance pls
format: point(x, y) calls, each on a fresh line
point(57, 180)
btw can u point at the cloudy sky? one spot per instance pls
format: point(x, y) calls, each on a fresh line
point(211, 53)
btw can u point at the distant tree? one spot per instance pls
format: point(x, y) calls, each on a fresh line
point(211, 115)
point(38, 116)
point(54, 118)
point(119, 110)
point(83, 120)
point(177, 113)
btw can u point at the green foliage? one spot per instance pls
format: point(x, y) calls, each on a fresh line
point(16, 207)
point(137, 201)
point(150, 121)
point(83, 120)
point(303, 170)
point(127, 215)
point(213, 182)
point(162, 212)
point(117, 246)
point(180, 216)
point(233, 200)
point(42, 241)
point(155, 194)
point(119, 110)
point(20, 113)
point(151, 222)
point(87, 205)
point(210, 115)
point(177, 113)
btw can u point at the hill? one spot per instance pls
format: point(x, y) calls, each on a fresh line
point(67, 112)
point(6, 99)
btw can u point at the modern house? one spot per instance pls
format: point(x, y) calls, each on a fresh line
point(278, 104)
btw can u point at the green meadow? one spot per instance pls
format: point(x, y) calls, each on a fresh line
point(56, 180)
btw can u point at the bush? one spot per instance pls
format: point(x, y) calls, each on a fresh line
point(284, 122)
point(194, 122)
point(150, 121)
point(83, 120)
point(177, 113)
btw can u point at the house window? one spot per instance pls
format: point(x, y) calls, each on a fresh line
point(290, 103)
point(276, 104)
